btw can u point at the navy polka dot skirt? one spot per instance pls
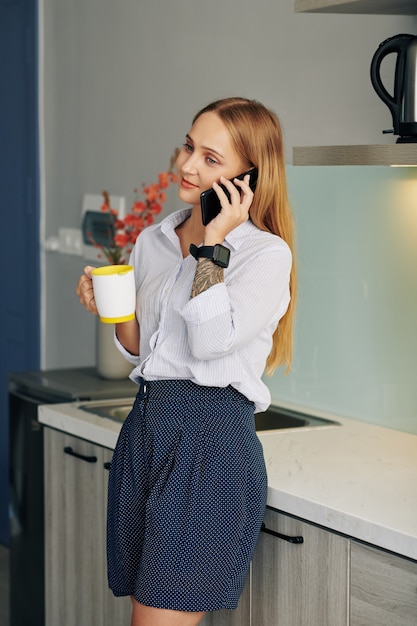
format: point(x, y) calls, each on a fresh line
point(187, 495)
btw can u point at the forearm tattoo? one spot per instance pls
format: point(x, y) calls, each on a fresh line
point(206, 275)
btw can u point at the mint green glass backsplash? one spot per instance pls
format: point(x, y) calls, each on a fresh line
point(356, 324)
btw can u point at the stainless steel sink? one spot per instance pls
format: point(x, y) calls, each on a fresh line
point(275, 418)
point(279, 418)
point(116, 410)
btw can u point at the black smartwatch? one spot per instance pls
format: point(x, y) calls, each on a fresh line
point(219, 254)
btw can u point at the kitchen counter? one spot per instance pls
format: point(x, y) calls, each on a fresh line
point(357, 478)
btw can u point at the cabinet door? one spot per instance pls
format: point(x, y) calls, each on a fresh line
point(74, 530)
point(116, 610)
point(383, 588)
point(299, 584)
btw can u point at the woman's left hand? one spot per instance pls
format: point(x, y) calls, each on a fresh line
point(233, 212)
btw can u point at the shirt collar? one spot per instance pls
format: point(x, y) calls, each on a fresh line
point(234, 239)
point(173, 220)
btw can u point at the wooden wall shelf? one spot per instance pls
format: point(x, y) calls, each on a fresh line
point(376, 7)
point(397, 154)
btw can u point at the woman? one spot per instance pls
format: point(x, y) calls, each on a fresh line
point(187, 488)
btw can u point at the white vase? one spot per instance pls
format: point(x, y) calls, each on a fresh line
point(109, 361)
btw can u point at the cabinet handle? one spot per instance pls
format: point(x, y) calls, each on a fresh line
point(89, 459)
point(107, 465)
point(291, 539)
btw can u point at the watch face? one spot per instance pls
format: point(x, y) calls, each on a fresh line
point(221, 255)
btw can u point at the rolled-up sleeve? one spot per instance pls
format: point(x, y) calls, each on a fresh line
point(229, 315)
point(208, 319)
point(131, 358)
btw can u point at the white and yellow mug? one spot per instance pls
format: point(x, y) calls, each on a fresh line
point(115, 293)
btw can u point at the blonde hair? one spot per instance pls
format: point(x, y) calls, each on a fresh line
point(257, 137)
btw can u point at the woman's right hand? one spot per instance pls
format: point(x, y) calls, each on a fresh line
point(85, 290)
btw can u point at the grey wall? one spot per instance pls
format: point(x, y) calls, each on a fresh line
point(122, 81)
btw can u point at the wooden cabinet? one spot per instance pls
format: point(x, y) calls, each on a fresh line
point(300, 584)
point(290, 583)
point(383, 588)
point(73, 530)
point(381, 7)
point(75, 505)
point(293, 584)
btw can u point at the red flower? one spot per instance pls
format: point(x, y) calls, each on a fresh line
point(152, 192)
point(138, 207)
point(155, 208)
point(126, 230)
point(121, 240)
point(118, 224)
point(163, 178)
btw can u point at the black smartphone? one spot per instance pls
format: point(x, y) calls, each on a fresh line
point(209, 200)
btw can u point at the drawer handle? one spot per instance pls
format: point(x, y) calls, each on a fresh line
point(289, 538)
point(107, 465)
point(89, 459)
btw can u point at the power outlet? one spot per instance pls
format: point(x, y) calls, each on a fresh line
point(70, 241)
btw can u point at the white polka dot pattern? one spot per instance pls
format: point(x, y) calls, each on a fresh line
point(187, 495)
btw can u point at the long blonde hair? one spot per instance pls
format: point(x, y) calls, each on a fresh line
point(257, 137)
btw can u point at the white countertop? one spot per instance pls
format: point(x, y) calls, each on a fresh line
point(357, 478)
point(70, 419)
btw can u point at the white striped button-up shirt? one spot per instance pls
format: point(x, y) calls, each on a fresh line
point(222, 336)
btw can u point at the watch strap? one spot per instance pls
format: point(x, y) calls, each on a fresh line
point(202, 252)
point(218, 254)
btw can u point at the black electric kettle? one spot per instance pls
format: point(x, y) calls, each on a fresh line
point(403, 103)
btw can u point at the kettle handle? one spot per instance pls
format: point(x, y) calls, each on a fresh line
point(398, 44)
